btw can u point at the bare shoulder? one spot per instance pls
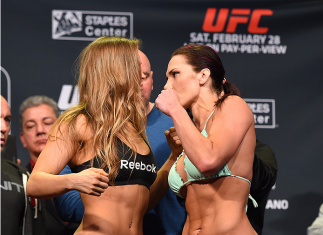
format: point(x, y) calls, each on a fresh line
point(235, 108)
point(63, 129)
point(235, 103)
point(234, 100)
point(83, 127)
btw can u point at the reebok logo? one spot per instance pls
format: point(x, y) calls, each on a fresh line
point(237, 16)
point(138, 166)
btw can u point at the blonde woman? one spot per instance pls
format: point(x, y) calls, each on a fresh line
point(103, 140)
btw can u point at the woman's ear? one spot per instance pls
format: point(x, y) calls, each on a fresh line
point(204, 76)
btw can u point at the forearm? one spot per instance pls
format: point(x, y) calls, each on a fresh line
point(160, 186)
point(192, 140)
point(44, 185)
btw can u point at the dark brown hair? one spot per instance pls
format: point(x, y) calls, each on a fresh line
point(201, 57)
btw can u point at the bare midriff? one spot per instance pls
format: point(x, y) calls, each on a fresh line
point(119, 210)
point(217, 206)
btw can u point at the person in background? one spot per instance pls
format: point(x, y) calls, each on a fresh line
point(16, 213)
point(37, 115)
point(5, 122)
point(316, 227)
point(264, 175)
point(169, 215)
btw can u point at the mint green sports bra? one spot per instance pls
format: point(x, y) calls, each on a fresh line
point(175, 180)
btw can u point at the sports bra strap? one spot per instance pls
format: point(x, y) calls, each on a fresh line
point(208, 119)
point(255, 204)
point(242, 179)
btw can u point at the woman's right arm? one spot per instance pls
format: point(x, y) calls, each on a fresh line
point(160, 186)
point(44, 181)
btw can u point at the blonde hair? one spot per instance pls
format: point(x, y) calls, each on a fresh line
point(110, 98)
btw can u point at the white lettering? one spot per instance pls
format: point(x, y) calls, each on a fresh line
point(97, 32)
point(117, 32)
point(281, 49)
point(199, 37)
point(88, 20)
point(104, 20)
point(277, 204)
point(148, 168)
point(124, 164)
point(285, 204)
point(259, 107)
point(245, 48)
point(214, 46)
point(64, 97)
point(89, 30)
point(271, 49)
point(142, 166)
point(229, 48)
point(263, 38)
point(261, 119)
point(17, 186)
point(138, 166)
point(7, 185)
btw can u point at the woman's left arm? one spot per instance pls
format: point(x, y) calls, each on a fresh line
point(160, 186)
point(226, 133)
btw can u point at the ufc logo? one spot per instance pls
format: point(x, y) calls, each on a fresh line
point(242, 18)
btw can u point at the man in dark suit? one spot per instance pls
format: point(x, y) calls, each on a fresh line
point(16, 214)
point(37, 115)
point(263, 178)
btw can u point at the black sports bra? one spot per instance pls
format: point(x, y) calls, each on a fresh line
point(142, 170)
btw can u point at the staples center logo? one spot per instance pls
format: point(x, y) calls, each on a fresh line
point(66, 23)
point(264, 112)
point(89, 25)
point(238, 16)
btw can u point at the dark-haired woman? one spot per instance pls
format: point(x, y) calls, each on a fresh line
point(215, 169)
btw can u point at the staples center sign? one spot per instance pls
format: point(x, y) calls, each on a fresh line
point(89, 25)
point(264, 112)
point(220, 32)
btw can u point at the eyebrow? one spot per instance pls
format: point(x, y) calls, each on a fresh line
point(31, 120)
point(170, 72)
point(146, 73)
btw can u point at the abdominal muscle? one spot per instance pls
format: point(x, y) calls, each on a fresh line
point(217, 207)
point(119, 210)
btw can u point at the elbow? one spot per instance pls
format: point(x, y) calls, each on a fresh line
point(207, 167)
point(29, 189)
